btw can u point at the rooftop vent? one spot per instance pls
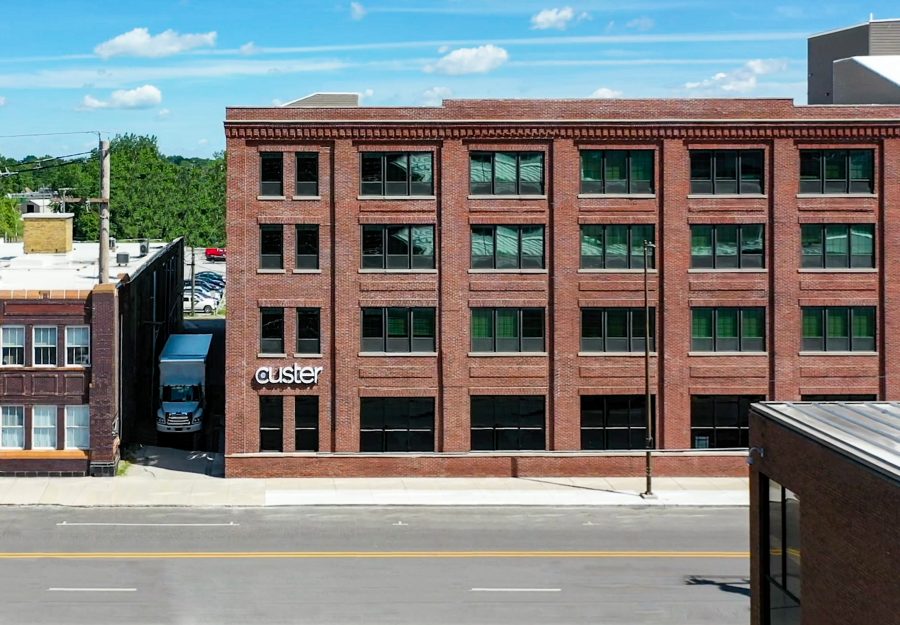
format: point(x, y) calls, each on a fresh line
point(326, 100)
point(122, 259)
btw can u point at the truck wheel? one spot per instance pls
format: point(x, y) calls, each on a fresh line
point(207, 309)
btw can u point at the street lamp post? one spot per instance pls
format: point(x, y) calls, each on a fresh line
point(648, 441)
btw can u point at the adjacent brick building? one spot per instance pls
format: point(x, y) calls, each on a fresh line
point(458, 290)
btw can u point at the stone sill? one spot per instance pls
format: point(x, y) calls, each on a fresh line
point(395, 198)
point(616, 354)
point(729, 354)
point(507, 197)
point(836, 195)
point(508, 271)
point(272, 271)
point(271, 355)
point(270, 198)
point(617, 196)
point(307, 355)
point(729, 270)
point(841, 354)
point(397, 354)
point(505, 354)
point(389, 271)
point(837, 270)
point(631, 271)
point(311, 198)
point(727, 196)
point(306, 271)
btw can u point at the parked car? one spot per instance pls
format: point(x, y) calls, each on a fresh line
point(215, 253)
point(211, 276)
point(205, 284)
point(201, 304)
point(204, 292)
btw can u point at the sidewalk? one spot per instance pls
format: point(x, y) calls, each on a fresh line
point(179, 478)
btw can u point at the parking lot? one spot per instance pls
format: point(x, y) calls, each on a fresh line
point(209, 300)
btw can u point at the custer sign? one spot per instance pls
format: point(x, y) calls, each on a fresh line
point(293, 374)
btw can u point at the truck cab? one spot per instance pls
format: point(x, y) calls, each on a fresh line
point(182, 383)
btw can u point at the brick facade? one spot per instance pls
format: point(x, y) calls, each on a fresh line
point(559, 129)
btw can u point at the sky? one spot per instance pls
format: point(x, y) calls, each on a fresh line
point(170, 67)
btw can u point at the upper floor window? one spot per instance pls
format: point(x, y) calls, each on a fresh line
point(728, 329)
point(615, 329)
point(396, 173)
point(44, 346)
point(271, 246)
point(271, 173)
point(307, 172)
point(507, 247)
point(726, 172)
point(78, 345)
point(398, 247)
point(271, 338)
point(396, 329)
point(837, 171)
point(839, 328)
point(307, 256)
point(617, 171)
point(507, 329)
point(506, 173)
point(838, 245)
point(308, 331)
point(615, 246)
point(727, 247)
point(12, 344)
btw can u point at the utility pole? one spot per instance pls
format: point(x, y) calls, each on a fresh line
point(104, 212)
point(648, 441)
point(193, 279)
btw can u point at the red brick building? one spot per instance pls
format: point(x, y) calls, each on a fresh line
point(458, 290)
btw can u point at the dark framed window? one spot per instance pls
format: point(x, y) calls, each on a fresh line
point(506, 173)
point(726, 172)
point(728, 329)
point(307, 174)
point(306, 423)
point(507, 329)
point(617, 171)
point(44, 346)
point(841, 397)
point(728, 246)
point(398, 247)
point(837, 171)
point(838, 245)
point(271, 246)
point(307, 247)
point(720, 421)
point(614, 421)
point(398, 330)
point(308, 331)
point(616, 246)
point(615, 329)
point(271, 423)
point(839, 328)
point(271, 173)
point(781, 550)
point(396, 173)
point(507, 422)
point(271, 339)
point(507, 247)
point(396, 424)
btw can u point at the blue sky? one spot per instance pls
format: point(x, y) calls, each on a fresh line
point(170, 67)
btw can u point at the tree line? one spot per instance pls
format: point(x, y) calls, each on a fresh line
point(151, 195)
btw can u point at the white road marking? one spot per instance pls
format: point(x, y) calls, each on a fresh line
point(398, 523)
point(232, 524)
point(92, 589)
point(516, 590)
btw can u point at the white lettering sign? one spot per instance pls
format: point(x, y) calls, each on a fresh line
point(293, 374)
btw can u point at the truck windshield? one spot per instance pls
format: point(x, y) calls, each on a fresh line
point(181, 392)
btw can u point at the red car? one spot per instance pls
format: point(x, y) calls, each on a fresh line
point(215, 253)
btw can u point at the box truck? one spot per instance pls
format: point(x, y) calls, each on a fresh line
point(182, 383)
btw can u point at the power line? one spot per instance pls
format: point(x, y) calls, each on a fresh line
point(53, 134)
point(42, 167)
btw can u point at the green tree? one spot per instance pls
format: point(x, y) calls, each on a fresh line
point(10, 219)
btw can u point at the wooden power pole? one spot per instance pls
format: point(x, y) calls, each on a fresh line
point(104, 212)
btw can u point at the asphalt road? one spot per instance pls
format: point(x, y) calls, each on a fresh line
point(376, 565)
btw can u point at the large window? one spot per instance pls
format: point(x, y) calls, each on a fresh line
point(78, 427)
point(12, 427)
point(306, 423)
point(396, 174)
point(307, 174)
point(271, 174)
point(726, 172)
point(307, 256)
point(308, 331)
point(44, 346)
point(43, 427)
point(837, 171)
point(396, 424)
point(841, 397)
point(839, 329)
point(506, 173)
point(719, 421)
point(398, 330)
point(781, 555)
point(12, 343)
point(615, 329)
point(727, 247)
point(614, 421)
point(728, 329)
point(507, 422)
point(507, 247)
point(617, 171)
point(271, 423)
point(271, 246)
point(838, 245)
point(398, 247)
point(507, 329)
point(78, 346)
point(271, 337)
point(615, 246)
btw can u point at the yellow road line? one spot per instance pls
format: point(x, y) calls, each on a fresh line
point(299, 555)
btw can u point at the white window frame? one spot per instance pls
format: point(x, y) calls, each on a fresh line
point(35, 346)
point(35, 426)
point(88, 345)
point(4, 412)
point(87, 412)
point(4, 344)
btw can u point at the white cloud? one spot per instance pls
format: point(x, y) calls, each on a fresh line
point(139, 42)
point(642, 24)
point(163, 113)
point(478, 60)
point(144, 97)
point(433, 96)
point(606, 92)
point(2, 101)
point(443, 49)
point(365, 95)
point(248, 48)
point(202, 141)
point(357, 10)
point(741, 80)
point(552, 18)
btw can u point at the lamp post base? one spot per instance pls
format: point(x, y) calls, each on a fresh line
point(648, 496)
